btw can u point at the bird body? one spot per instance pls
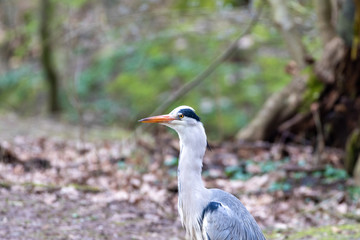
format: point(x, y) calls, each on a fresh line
point(206, 214)
point(229, 219)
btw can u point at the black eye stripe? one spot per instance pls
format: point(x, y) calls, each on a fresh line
point(189, 113)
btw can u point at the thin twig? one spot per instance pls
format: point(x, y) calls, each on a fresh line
point(181, 92)
point(303, 169)
point(320, 135)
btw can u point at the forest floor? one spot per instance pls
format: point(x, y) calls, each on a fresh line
point(55, 186)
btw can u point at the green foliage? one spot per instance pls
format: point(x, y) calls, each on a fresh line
point(273, 73)
point(279, 186)
point(131, 73)
point(334, 174)
point(241, 173)
point(330, 174)
point(313, 44)
point(313, 90)
point(298, 175)
point(264, 33)
point(122, 165)
point(18, 86)
point(235, 3)
point(354, 192)
point(269, 166)
point(317, 174)
point(172, 162)
point(187, 4)
point(73, 3)
point(237, 173)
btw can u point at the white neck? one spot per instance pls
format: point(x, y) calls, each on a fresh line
point(193, 196)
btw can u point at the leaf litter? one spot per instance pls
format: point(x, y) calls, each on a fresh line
point(52, 188)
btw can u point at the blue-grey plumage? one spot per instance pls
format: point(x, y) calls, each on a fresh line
point(225, 217)
point(206, 214)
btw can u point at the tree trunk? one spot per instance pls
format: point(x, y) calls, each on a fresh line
point(47, 57)
point(334, 116)
point(357, 171)
point(279, 107)
point(352, 151)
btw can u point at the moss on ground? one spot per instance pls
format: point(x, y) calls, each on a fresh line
point(337, 232)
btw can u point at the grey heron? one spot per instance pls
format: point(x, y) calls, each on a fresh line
point(205, 213)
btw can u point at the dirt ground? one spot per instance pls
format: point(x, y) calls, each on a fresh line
point(39, 215)
point(55, 186)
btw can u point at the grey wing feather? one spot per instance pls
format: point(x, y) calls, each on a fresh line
point(225, 218)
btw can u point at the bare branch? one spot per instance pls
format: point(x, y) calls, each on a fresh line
point(181, 92)
point(276, 109)
point(324, 20)
point(286, 26)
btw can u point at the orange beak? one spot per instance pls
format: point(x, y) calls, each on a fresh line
point(158, 119)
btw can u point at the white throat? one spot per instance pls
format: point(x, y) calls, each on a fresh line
point(193, 196)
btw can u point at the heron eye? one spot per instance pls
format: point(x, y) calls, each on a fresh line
point(181, 115)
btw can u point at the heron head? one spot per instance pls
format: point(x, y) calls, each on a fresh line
point(179, 119)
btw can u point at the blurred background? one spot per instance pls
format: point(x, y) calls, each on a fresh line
point(111, 63)
point(276, 84)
